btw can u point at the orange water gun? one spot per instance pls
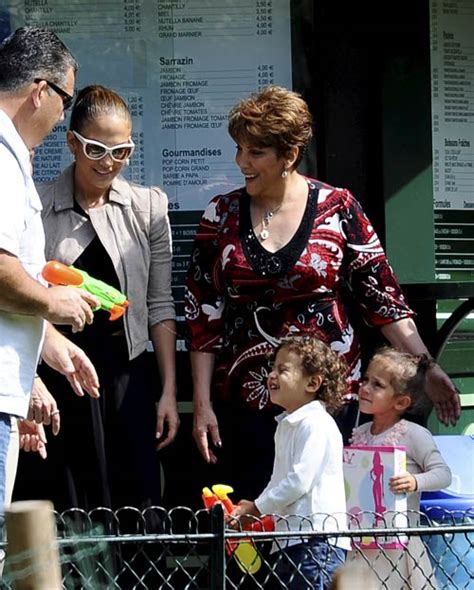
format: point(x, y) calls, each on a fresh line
point(111, 299)
point(244, 551)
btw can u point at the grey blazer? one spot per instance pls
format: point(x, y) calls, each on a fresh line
point(134, 228)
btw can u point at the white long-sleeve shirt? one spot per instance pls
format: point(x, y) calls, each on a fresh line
point(307, 483)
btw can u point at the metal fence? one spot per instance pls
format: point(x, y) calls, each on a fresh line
point(180, 549)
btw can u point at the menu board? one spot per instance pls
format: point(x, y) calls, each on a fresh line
point(181, 66)
point(452, 91)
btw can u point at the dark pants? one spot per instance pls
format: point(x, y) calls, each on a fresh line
point(105, 453)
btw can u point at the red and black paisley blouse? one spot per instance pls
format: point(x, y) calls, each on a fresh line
point(241, 299)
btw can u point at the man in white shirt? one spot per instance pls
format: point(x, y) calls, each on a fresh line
point(37, 76)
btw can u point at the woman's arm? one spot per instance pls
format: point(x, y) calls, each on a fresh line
point(204, 421)
point(204, 309)
point(161, 317)
point(403, 334)
point(383, 305)
point(163, 337)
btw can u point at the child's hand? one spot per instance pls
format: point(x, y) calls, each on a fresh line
point(246, 507)
point(243, 513)
point(403, 483)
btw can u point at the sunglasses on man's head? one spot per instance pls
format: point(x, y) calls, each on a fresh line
point(95, 150)
point(66, 97)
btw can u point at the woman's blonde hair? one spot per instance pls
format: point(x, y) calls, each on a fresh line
point(275, 117)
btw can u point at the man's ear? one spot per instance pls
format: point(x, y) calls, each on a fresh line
point(314, 383)
point(37, 93)
point(402, 403)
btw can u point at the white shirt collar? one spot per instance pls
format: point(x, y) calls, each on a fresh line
point(11, 138)
point(301, 413)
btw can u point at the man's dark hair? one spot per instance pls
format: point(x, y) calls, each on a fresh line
point(32, 52)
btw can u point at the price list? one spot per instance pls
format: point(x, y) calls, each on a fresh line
point(452, 92)
point(135, 171)
point(264, 18)
point(219, 52)
point(214, 18)
point(52, 156)
point(265, 75)
point(84, 17)
point(180, 66)
point(183, 228)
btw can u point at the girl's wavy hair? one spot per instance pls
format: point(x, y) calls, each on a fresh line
point(318, 359)
point(408, 373)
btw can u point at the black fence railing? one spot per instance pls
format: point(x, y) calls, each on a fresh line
point(181, 549)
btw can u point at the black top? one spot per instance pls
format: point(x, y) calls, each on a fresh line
point(278, 263)
point(97, 263)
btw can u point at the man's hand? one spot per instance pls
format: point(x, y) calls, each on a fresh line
point(32, 437)
point(71, 361)
point(71, 306)
point(20, 293)
point(43, 407)
point(166, 413)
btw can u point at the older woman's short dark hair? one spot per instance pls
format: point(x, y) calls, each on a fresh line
point(275, 117)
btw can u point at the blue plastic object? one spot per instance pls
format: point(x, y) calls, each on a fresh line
point(458, 452)
point(451, 554)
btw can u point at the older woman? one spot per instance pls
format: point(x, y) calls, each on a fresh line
point(118, 232)
point(270, 259)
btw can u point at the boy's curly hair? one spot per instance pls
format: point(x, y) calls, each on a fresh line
point(318, 359)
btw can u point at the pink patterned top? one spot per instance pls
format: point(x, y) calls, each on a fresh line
point(424, 460)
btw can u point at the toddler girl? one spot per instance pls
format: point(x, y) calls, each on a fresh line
point(393, 383)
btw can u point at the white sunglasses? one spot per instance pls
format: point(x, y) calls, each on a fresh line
point(95, 150)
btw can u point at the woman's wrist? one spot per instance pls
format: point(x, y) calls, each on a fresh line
point(201, 401)
point(168, 391)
